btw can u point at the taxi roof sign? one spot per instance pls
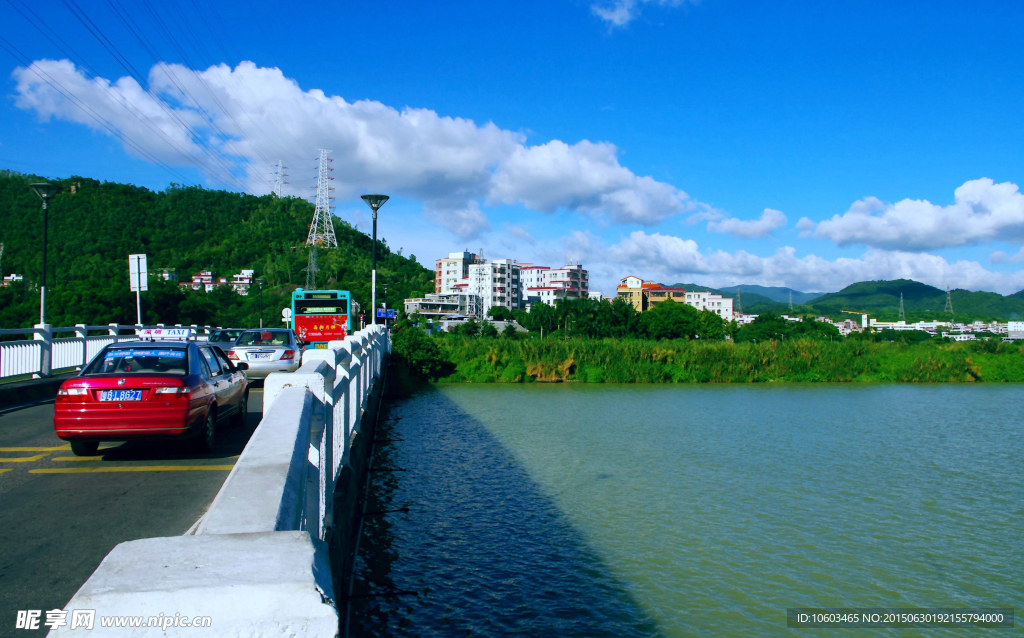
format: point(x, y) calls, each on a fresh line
point(165, 334)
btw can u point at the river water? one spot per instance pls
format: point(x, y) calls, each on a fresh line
point(659, 510)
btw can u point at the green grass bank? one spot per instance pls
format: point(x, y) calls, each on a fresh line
point(503, 360)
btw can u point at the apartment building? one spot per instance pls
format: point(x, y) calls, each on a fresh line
point(496, 283)
point(240, 283)
point(548, 285)
point(452, 270)
point(12, 279)
point(443, 305)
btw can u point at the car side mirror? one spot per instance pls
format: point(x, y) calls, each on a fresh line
point(242, 366)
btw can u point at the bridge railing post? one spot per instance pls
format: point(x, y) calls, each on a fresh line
point(44, 336)
point(82, 332)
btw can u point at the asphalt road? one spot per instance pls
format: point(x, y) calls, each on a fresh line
point(61, 514)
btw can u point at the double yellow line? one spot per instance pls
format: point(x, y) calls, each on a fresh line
point(94, 470)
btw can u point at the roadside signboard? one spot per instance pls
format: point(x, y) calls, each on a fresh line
point(385, 314)
point(138, 275)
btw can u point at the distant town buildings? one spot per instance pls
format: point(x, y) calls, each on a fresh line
point(11, 279)
point(441, 305)
point(207, 280)
point(644, 295)
point(481, 284)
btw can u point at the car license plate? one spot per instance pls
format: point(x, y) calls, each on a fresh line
point(259, 355)
point(120, 395)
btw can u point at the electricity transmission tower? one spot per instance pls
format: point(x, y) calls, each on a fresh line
point(949, 301)
point(321, 231)
point(791, 301)
point(903, 314)
point(311, 269)
point(1, 259)
point(739, 301)
point(279, 180)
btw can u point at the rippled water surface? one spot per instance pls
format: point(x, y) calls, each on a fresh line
point(573, 510)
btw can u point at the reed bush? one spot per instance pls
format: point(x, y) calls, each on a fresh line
point(627, 360)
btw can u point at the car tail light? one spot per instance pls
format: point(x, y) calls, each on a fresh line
point(232, 355)
point(72, 394)
point(180, 392)
point(288, 354)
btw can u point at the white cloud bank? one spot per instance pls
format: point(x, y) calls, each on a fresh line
point(619, 13)
point(671, 259)
point(982, 211)
point(257, 116)
point(769, 221)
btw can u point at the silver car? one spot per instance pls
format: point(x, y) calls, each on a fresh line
point(267, 351)
point(225, 339)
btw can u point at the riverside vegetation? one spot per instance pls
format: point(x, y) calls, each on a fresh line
point(601, 342)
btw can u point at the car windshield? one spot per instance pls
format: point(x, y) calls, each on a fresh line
point(140, 360)
point(265, 338)
point(225, 335)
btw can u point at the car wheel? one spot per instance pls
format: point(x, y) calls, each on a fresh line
point(208, 435)
point(243, 412)
point(85, 448)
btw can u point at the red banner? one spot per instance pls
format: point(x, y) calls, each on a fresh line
point(320, 327)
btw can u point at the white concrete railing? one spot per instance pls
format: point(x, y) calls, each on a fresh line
point(43, 351)
point(257, 562)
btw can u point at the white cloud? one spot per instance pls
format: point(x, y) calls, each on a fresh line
point(514, 230)
point(465, 223)
point(670, 259)
point(982, 211)
point(770, 221)
point(999, 256)
point(259, 116)
point(619, 13)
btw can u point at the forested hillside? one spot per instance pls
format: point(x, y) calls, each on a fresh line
point(919, 300)
point(94, 226)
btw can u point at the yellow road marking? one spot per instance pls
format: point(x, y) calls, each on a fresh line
point(134, 468)
point(77, 458)
point(24, 459)
point(2, 471)
point(35, 449)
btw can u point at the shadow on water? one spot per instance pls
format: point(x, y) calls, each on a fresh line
point(480, 550)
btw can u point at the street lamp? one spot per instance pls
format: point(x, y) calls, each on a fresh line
point(385, 286)
point(374, 201)
point(261, 282)
point(45, 191)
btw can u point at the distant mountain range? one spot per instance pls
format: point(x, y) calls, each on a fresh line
point(880, 299)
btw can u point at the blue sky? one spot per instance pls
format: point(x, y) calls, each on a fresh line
point(640, 137)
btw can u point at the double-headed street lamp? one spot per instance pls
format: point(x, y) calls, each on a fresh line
point(45, 191)
point(374, 201)
point(261, 282)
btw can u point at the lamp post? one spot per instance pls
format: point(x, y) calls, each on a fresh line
point(374, 201)
point(385, 304)
point(45, 191)
point(261, 282)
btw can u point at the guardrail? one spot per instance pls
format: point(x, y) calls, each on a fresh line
point(258, 562)
point(42, 351)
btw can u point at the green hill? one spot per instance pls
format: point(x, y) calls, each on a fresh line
point(920, 301)
point(94, 226)
point(753, 303)
point(775, 293)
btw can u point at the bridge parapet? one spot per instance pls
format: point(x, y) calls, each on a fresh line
point(258, 562)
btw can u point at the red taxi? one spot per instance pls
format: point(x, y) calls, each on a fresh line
point(146, 389)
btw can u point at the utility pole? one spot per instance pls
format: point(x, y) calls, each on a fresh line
point(903, 314)
point(949, 300)
point(321, 231)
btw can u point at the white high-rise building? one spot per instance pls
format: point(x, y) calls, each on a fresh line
point(548, 285)
point(451, 271)
point(496, 283)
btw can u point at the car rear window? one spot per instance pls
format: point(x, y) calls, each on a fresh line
point(140, 361)
point(225, 335)
point(264, 338)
